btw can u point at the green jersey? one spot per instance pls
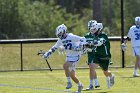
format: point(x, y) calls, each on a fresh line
point(100, 51)
point(103, 50)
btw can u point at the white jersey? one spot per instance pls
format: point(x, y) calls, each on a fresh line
point(134, 34)
point(69, 42)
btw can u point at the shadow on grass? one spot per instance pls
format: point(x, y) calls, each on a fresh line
point(130, 77)
point(93, 90)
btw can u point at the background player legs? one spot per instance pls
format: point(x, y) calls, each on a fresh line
point(93, 75)
point(137, 66)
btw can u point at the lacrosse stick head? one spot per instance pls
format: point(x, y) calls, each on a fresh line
point(41, 52)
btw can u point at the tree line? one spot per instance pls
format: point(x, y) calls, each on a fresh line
point(39, 18)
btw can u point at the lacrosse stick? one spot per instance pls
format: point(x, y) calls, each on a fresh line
point(41, 52)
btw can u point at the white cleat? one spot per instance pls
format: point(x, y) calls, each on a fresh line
point(90, 87)
point(69, 85)
point(97, 85)
point(136, 75)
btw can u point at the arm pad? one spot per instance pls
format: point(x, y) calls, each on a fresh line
point(47, 54)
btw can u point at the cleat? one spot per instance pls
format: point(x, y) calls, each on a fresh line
point(136, 75)
point(79, 89)
point(69, 85)
point(97, 86)
point(112, 80)
point(90, 87)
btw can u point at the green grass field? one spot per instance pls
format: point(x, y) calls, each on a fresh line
point(45, 81)
point(55, 81)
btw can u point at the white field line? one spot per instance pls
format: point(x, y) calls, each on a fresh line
point(34, 88)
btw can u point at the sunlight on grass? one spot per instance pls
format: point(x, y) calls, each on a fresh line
point(55, 81)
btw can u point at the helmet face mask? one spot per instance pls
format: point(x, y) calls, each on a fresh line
point(61, 31)
point(137, 21)
point(93, 26)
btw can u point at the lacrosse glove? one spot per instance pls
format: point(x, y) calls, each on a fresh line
point(123, 46)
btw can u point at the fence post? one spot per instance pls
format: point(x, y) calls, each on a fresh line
point(122, 32)
point(21, 57)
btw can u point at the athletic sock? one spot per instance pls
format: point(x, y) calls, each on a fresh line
point(69, 80)
point(96, 81)
point(134, 73)
point(91, 82)
point(108, 81)
point(79, 83)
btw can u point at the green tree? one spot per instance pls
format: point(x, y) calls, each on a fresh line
point(9, 19)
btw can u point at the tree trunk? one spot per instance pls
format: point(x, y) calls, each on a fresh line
point(97, 10)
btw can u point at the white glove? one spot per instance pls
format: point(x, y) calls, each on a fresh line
point(123, 45)
point(46, 55)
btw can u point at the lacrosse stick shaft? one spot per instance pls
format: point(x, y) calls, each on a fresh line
point(48, 65)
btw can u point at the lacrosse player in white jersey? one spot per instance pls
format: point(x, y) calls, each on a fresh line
point(134, 35)
point(72, 45)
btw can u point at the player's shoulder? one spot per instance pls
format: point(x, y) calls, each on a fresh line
point(132, 27)
point(71, 35)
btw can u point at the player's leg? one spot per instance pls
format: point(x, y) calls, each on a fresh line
point(138, 60)
point(104, 64)
point(137, 66)
point(109, 78)
point(67, 73)
point(74, 77)
point(93, 76)
point(136, 53)
point(95, 79)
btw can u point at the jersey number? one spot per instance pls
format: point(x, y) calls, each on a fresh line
point(68, 46)
point(137, 36)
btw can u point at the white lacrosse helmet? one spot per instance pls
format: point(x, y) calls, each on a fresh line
point(61, 31)
point(137, 21)
point(93, 26)
point(100, 26)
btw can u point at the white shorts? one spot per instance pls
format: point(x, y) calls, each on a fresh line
point(136, 51)
point(73, 61)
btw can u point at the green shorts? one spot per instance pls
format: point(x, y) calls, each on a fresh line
point(103, 62)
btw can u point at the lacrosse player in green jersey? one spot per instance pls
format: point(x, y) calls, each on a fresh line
point(92, 73)
point(100, 55)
